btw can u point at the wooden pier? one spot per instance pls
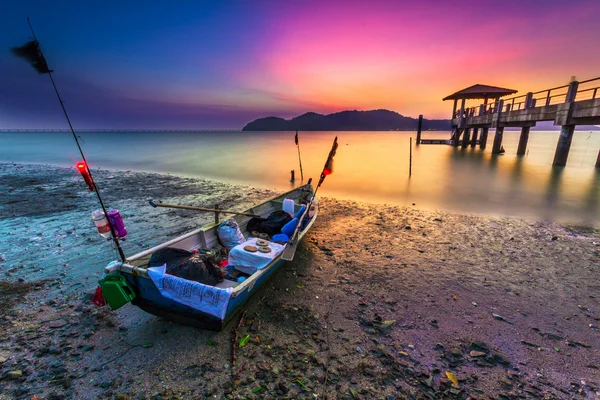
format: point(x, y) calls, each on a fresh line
point(577, 103)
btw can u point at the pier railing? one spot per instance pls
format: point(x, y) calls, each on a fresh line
point(587, 90)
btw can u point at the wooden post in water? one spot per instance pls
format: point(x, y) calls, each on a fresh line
point(419, 127)
point(523, 140)
point(484, 136)
point(410, 157)
point(563, 146)
point(499, 129)
point(474, 138)
point(466, 138)
point(461, 123)
point(498, 140)
point(566, 132)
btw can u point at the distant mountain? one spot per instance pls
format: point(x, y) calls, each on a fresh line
point(374, 120)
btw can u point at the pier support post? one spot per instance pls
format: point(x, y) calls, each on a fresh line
point(484, 136)
point(498, 140)
point(461, 124)
point(563, 146)
point(466, 137)
point(420, 126)
point(456, 137)
point(474, 138)
point(523, 140)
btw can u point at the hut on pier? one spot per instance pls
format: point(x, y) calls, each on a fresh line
point(475, 92)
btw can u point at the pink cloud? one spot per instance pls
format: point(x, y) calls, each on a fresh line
point(390, 55)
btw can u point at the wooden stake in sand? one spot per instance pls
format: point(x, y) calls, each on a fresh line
point(410, 158)
point(234, 343)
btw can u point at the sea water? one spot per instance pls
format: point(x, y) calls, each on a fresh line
point(369, 166)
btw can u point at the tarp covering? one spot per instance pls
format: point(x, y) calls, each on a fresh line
point(209, 299)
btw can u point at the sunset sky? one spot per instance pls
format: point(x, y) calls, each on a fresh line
point(195, 64)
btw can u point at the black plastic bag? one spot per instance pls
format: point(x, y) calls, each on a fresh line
point(192, 267)
point(271, 225)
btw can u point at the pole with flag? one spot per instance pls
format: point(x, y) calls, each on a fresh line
point(32, 52)
point(290, 249)
point(299, 159)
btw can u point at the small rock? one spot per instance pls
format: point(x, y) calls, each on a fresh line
point(498, 317)
point(479, 346)
point(106, 384)
point(16, 374)
point(385, 324)
point(87, 347)
point(282, 388)
point(59, 323)
point(456, 352)
point(500, 358)
point(474, 353)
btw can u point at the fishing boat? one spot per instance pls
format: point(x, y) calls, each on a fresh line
point(194, 303)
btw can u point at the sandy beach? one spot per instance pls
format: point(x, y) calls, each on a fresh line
point(380, 302)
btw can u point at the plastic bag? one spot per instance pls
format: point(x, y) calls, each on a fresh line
point(230, 234)
point(271, 225)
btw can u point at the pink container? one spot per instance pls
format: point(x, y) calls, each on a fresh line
point(114, 217)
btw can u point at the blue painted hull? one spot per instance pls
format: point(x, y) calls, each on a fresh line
point(149, 299)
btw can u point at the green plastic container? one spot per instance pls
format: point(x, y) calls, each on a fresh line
point(116, 291)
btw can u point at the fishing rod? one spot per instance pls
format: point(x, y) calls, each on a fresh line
point(40, 64)
point(290, 249)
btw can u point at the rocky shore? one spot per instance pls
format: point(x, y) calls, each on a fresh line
point(380, 302)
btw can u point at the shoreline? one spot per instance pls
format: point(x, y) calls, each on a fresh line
point(591, 225)
point(381, 301)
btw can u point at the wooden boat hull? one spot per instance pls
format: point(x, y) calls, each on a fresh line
point(153, 302)
point(150, 299)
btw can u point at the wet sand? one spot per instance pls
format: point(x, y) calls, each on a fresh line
point(380, 302)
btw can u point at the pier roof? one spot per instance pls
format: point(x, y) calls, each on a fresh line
point(479, 91)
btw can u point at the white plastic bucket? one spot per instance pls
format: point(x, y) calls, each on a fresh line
point(288, 206)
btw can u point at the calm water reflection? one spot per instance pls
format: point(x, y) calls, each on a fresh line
point(371, 166)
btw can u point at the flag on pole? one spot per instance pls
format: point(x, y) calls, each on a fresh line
point(296, 138)
point(328, 169)
point(32, 53)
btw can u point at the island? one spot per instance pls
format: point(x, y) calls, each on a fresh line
point(373, 120)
